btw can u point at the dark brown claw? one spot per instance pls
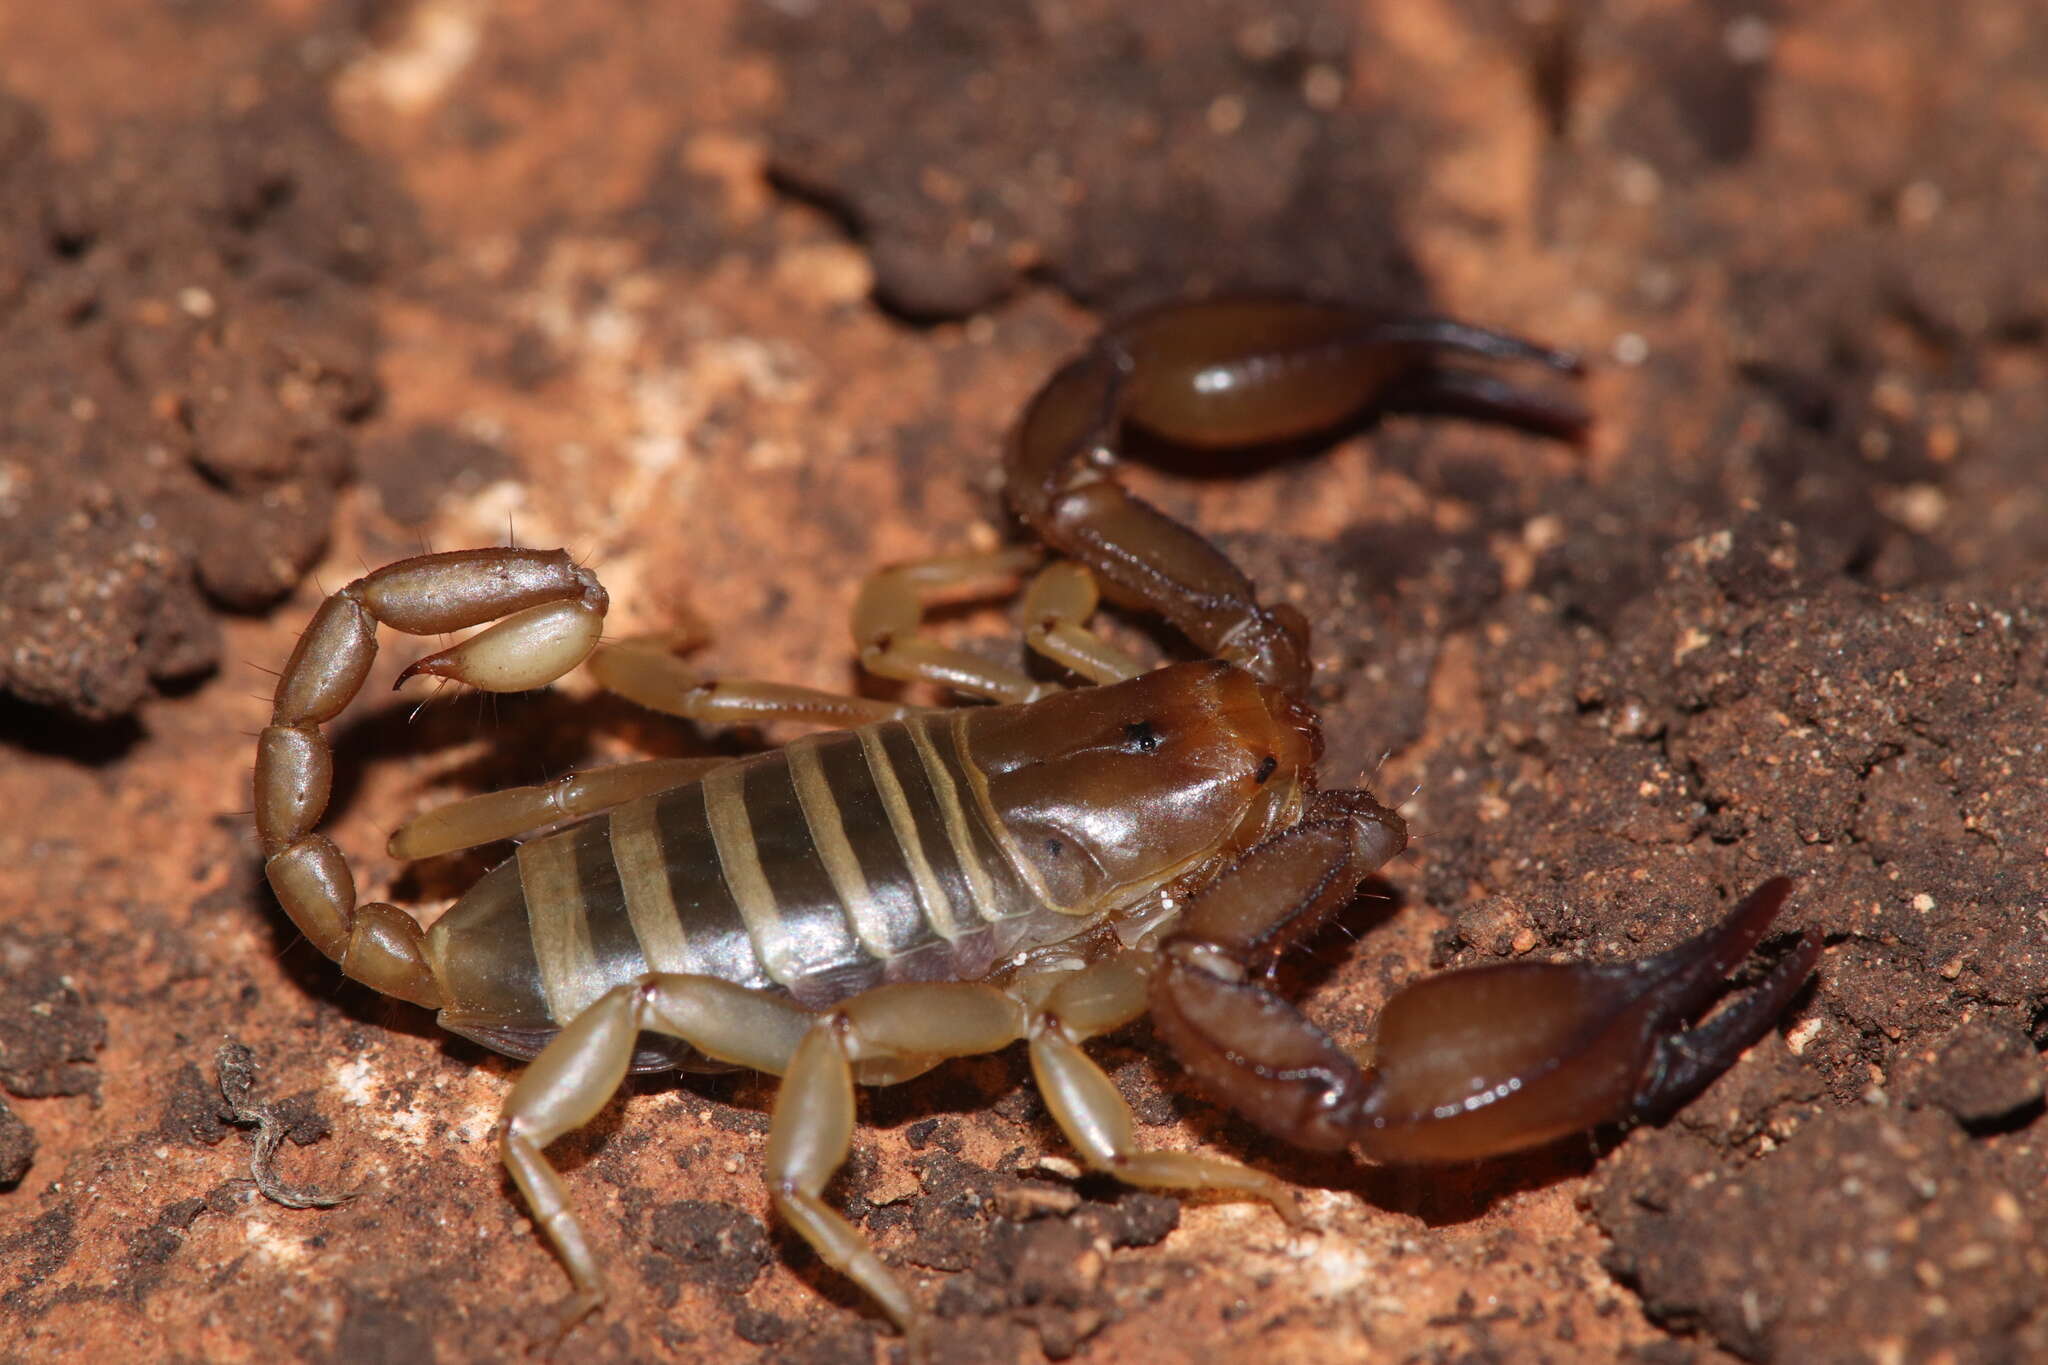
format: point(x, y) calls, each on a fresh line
point(1490, 1060)
point(1472, 393)
point(1686, 1062)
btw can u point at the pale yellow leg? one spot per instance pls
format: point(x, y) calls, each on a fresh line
point(512, 812)
point(645, 670)
point(884, 1035)
point(890, 610)
point(1056, 609)
point(892, 1032)
point(1095, 1118)
point(579, 1071)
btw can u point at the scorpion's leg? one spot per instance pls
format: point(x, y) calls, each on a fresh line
point(1086, 1105)
point(894, 1032)
point(1228, 374)
point(882, 1036)
point(1471, 1063)
point(891, 607)
point(579, 1071)
point(885, 1035)
point(516, 810)
point(548, 612)
point(1056, 609)
point(644, 670)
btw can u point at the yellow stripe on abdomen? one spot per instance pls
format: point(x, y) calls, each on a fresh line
point(559, 920)
point(739, 861)
point(938, 907)
point(644, 877)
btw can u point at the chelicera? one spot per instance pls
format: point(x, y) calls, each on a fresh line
point(910, 884)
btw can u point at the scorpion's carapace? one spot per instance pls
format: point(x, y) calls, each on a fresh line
point(922, 884)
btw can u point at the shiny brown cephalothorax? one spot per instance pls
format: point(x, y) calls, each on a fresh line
point(914, 884)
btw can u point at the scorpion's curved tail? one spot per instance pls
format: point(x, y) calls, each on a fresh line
point(549, 612)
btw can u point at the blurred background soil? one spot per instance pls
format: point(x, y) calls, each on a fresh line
point(737, 300)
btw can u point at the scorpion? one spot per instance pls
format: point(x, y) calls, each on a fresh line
point(907, 884)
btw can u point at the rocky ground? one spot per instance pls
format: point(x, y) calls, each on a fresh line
point(737, 301)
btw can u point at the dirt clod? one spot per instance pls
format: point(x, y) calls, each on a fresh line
point(714, 1244)
point(1057, 151)
point(49, 1033)
point(1910, 1239)
point(183, 324)
point(1034, 1253)
point(17, 1146)
point(1980, 1074)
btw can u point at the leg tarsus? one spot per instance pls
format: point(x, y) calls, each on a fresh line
point(578, 1072)
point(563, 1089)
point(1056, 609)
point(889, 613)
point(1097, 1120)
point(645, 670)
point(807, 1141)
point(905, 1025)
point(547, 1199)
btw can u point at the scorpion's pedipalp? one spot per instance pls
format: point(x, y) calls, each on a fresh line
point(1488, 397)
point(1141, 556)
point(1484, 1061)
point(1236, 373)
point(1246, 1045)
point(1285, 887)
point(1448, 334)
point(1686, 1062)
point(1253, 1051)
point(1229, 374)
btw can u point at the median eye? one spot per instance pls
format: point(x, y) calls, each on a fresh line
point(1141, 738)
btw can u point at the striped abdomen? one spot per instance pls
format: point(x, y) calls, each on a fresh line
point(825, 868)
